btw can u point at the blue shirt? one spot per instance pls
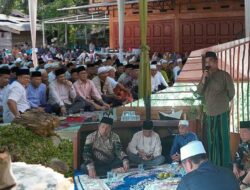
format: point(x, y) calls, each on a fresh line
point(36, 96)
point(209, 177)
point(182, 140)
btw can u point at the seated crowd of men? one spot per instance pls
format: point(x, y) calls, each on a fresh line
point(103, 152)
point(58, 85)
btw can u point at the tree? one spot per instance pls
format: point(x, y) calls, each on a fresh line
point(6, 6)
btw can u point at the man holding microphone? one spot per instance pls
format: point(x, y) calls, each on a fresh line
point(217, 87)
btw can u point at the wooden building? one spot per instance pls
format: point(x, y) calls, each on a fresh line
point(178, 25)
point(15, 30)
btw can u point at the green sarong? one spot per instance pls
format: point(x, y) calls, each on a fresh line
point(218, 137)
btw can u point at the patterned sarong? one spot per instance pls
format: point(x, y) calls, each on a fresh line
point(218, 136)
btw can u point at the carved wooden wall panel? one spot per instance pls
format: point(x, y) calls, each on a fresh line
point(160, 35)
point(201, 33)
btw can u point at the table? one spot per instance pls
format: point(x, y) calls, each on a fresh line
point(133, 180)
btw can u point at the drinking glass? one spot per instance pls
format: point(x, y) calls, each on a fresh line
point(81, 111)
point(140, 168)
point(114, 176)
point(110, 176)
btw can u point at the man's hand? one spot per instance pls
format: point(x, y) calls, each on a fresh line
point(236, 171)
point(92, 173)
point(40, 109)
point(204, 76)
point(68, 83)
point(149, 157)
point(17, 115)
point(126, 165)
point(63, 110)
point(107, 106)
point(141, 153)
point(176, 157)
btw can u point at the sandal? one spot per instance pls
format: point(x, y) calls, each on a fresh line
point(242, 177)
point(244, 185)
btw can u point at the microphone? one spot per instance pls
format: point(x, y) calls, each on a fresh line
point(207, 68)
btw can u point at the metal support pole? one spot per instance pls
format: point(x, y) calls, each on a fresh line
point(147, 103)
point(43, 29)
point(66, 34)
point(247, 17)
point(85, 35)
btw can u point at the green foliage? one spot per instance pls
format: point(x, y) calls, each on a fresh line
point(25, 146)
point(6, 6)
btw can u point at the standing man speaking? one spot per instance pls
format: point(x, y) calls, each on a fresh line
point(217, 87)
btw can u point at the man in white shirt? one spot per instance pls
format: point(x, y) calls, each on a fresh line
point(15, 99)
point(177, 68)
point(82, 56)
point(70, 66)
point(145, 147)
point(104, 87)
point(91, 46)
point(4, 81)
point(125, 77)
point(61, 93)
point(157, 80)
point(50, 70)
point(118, 88)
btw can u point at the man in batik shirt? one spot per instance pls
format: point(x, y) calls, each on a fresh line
point(103, 151)
point(241, 166)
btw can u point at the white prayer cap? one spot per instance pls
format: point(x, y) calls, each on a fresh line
point(87, 59)
point(4, 65)
point(18, 60)
point(55, 65)
point(27, 63)
point(24, 67)
point(184, 122)
point(179, 60)
point(191, 149)
point(111, 68)
point(124, 62)
point(32, 69)
point(163, 61)
point(49, 59)
point(42, 70)
point(171, 61)
point(102, 70)
point(48, 65)
point(131, 60)
point(153, 67)
point(158, 63)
